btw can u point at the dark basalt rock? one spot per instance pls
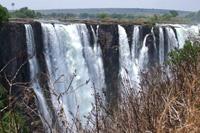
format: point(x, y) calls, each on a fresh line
point(157, 41)
point(38, 36)
point(152, 50)
point(91, 37)
point(109, 42)
point(165, 42)
point(43, 73)
point(13, 50)
point(15, 68)
point(13, 53)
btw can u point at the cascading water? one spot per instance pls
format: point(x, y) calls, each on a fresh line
point(135, 42)
point(125, 58)
point(93, 59)
point(67, 70)
point(75, 70)
point(161, 46)
point(143, 56)
point(129, 64)
point(172, 40)
point(34, 70)
point(186, 32)
point(181, 35)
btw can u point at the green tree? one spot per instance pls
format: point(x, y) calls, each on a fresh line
point(154, 18)
point(173, 13)
point(84, 15)
point(26, 13)
point(102, 15)
point(4, 15)
point(188, 55)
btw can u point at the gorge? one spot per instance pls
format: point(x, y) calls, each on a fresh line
point(67, 64)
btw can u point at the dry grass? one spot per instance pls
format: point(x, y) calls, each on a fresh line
point(168, 102)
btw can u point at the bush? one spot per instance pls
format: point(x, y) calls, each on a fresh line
point(11, 119)
point(4, 15)
point(186, 57)
point(102, 15)
point(26, 13)
point(168, 101)
point(174, 13)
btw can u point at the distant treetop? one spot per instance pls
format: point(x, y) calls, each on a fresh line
point(4, 15)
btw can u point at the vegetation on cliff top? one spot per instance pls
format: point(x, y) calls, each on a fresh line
point(4, 15)
point(25, 12)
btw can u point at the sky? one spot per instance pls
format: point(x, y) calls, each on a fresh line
point(188, 5)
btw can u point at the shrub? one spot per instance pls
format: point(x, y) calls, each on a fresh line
point(4, 15)
point(168, 101)
point(11, 119)
point(26, 13)
point(102, 15)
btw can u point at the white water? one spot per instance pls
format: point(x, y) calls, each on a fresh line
point(143, 56)
point(172, 41)
point(185, 33)
point(161, 46)
point(128, 62)
point(75, 69)
point(93, 59)
point(34, 71)
point(135, 41)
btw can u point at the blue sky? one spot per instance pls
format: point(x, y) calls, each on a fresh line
point(191, 5)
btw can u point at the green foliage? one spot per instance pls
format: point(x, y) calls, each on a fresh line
point(25, 13)
point(4, 15)
point(3, 97)
point(174, 13)
point(11, 119)
point(102, 15)
point(194, 16)
point(167, 17)
point(155, 18)
point(13, 122)
point(189, 55)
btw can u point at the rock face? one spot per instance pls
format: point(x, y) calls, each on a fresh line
point(13, 53)
point(115, 42)
point(109, 41)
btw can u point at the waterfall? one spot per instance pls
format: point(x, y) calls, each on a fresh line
point(75, 70)
point(135, 41)
point(125, 58)
point(143, 56)
point(185, 33)
point(161, 46)
point(171, 37)
point(181, 35)
point(128, 62)
point(93, 59)
point(34, 71)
